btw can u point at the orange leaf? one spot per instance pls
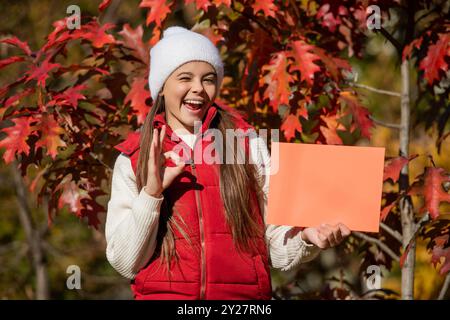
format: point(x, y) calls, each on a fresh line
point(158, 10)
point(200, 4)
point(330, 131)
point(96, 34)
point(360, 114)
point(50, 139)
point(137, 96)
point(290, 125)
point(266, 6)
point(304, 60)
point(17, 135)
point(278, 80)
point(416, 43)
point(133, 40)
point(394, 166)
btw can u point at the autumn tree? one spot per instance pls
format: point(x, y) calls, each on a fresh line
point(287, 66)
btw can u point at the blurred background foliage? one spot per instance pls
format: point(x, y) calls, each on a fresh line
point(69, 242)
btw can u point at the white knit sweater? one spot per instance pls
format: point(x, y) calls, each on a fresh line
point(132, 220)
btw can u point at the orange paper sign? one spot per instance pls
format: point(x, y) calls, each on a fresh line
point(311, 184)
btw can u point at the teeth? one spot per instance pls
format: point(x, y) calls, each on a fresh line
point(193, 102)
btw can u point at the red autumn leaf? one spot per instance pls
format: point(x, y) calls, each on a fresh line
point(58, 25)
point(18, 43)
point(137, 96)
point(266, 6)
point(393, 167)
point(80, 201)
point(332, 64)
point(158, 10)
point(209, 33)
point(386, 209)
point(41, 72)
point(133, 40)
point(303, 60)
point(199, 4)
point(105, 4)
point(70, 96)
point(50, 131)
point(439, 251)
point(71, 196)
point(290, 125)
point(156, 35)
point(416, 43)
point(13, 99)
point(430, 187)
point(96, 34)
point(16, 137)
point(360, 114)
point(435, 59)
point(330, 131)
point(278, 90)
point(327, 17)
point(56, 37)
point(10, 60)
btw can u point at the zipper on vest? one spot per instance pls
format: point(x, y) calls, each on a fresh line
point(202, 232)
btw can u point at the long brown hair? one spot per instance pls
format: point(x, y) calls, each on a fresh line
point(238, 179)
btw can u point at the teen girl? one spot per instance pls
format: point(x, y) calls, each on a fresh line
point(186, 229)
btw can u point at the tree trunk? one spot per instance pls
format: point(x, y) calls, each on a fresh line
point(406, 208)
point(33, 236)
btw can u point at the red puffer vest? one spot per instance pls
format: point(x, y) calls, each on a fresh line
point(212, 267)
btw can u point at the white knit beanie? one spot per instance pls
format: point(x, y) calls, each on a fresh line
point(178, 46)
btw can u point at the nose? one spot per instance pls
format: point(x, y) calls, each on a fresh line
point(197, 86)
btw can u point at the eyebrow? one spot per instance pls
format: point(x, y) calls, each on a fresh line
point(190, 73)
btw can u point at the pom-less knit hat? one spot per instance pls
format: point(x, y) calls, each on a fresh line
point(178, 46)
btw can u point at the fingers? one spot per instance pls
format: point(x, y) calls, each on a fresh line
point(163, 134)
point(323, 239)
point(152, 155)
point(156, 146)
point(333, 233)
point(344, 230)
point(328, 231)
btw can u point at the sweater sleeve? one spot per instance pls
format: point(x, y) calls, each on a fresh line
point(131, 221)
point(286, 247)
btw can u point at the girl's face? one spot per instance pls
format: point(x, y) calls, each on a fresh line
point(195, 80)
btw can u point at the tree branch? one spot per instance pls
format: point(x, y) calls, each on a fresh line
point(381, 91)
point(385, 124)
point(397, 235)
point(32, 236)
point(379, 243)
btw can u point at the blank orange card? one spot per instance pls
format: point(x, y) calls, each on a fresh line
point(311, 184)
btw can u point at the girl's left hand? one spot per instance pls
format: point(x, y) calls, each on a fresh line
point(326, 236)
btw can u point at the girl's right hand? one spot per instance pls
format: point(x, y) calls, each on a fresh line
point(159, 177)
